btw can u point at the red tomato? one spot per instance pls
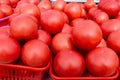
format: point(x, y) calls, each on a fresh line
point(45, 4)
point(98, 15)
point(31, 1)
point(44, 36)
point(68, 63)
point(30, 9)
point(13, 3)
point(52, 21)
point(110, 26)
point(66, 19)
point(113, 41)
point(4, 2)
point(59, 5)
point(4, 31)
point(35, 53)
point(102, 43)
point(76, 21)
point(23, 27)
point(61, 41)
point(87, 35)
point(89, 4)
point(110, 7)
point(6, 9)
point(9, 50)
point(102, 61)
point(73, 10)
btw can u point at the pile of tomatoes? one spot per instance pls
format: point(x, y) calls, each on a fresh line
point(81, 38)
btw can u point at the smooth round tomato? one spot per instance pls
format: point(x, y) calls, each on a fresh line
point(52, 21)
point(110, 26)
point(9, 50)
point(6, 9)
point(89, 4)
point(73, 10)
point(68, 63)
point(59, 5)
point(87, 35)
point(23, 27)
point(35, 53)
point(113, 41)
point(102, 61)
point(44, 36)
point(61, 41)
point(30, 9)
point(45, 4)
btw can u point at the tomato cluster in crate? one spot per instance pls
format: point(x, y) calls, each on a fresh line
point(68, 40)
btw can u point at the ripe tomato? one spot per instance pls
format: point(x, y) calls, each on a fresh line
point(61, 41)
point(4, 2)
point(113, 41)
point(52, 21)
point(31, 1)
point(6, 9)
point(9, 50)
point(68, 63)
point(44, 36)
point(73, 10)
point(87, 35)
point(66, 19)
point(102, 61)
point(110, 26)
point(23, 27)
point(76, 21)
point(35, 53)
point(59, 5)
point(4, 31)
point(30, 9)
point(89, 4)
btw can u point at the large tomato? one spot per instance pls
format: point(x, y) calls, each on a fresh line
point(9, 50)
point(30, 9)
point(23, 27)
point(113, 41)
point(68, 63)
point(102, 61)
point(52, 21)
point(35, 53)
point(87, 35)
point(61, 41)
point(73, 10)
point(110, 26)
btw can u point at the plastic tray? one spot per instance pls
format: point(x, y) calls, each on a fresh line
point(19, 72)
point(54, 77)
point(4, 21)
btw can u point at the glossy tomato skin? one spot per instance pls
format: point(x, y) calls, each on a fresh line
point(9, 50)
point(69, 63)
point(113, 41)
point(73, 10)
point(35, 53)
point(61, 41)
point(52, 21)
point(87, 35)
point(21, 30)
point(102, 61)
point(110, 26)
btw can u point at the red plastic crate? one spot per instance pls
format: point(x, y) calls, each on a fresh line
point(19, 72)
point(54, 77)
point(4, 21)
